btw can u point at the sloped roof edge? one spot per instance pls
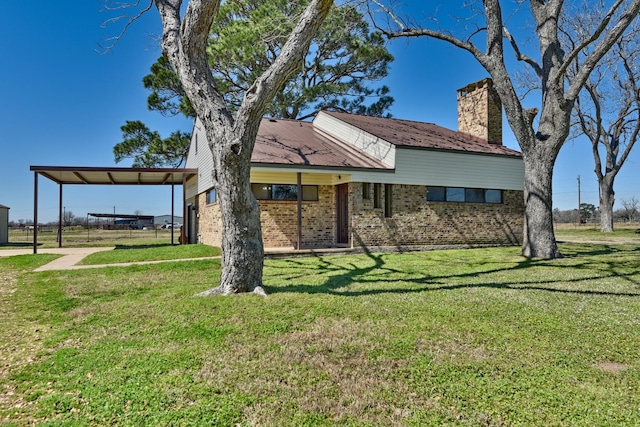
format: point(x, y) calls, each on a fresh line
point(421, 135)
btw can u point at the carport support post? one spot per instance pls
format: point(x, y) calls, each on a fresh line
point(299, 211)
point(173, 223)
point(186, 221)
point(35, 212)
point(60, 219)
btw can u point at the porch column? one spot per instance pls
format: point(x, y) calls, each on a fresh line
point(60, 218)
point(173, 228)
point(186, 222)
point(35, 212)
point(299, 246)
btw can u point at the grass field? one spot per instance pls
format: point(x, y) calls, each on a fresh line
point(81, 237)
point(478, 337)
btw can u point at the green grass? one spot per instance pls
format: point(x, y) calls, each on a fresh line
point(592, 231)
point(478, 337)
point(136, 253)
point(80, 237)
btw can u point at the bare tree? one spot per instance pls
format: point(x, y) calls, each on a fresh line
point(541, 141)
point(232, 136)
point(68, 218)
point(630, 209)
point(608, 109)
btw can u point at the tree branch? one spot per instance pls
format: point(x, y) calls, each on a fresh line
point(601, 49)
point(290, 59)
point(129, 21)
point(519, 56)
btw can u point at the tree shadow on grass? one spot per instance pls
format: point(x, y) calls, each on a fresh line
point(577, 249)
point(337, 277)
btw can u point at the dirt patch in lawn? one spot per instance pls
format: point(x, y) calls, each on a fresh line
point(612, 367)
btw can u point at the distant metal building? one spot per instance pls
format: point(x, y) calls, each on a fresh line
point(126, 220)
point(4, 224)
point(166, 220)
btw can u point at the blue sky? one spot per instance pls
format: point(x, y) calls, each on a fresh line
point(64, 104)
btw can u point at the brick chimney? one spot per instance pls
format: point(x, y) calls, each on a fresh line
point(480, 111)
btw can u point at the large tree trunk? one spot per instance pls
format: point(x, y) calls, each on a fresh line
point(539, 237)
point(606, 205)
point(242, 248)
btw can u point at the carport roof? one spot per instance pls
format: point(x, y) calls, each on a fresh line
point(114, 176)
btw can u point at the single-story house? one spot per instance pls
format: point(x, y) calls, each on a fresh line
point(374, 182)
point(4, 224)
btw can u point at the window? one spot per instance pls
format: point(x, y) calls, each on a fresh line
point(436, 194)
point(377, 196)
point(463, 195)
point(211, 196)
point(455, 194)
point(388, 197)
point(493, 196)
point(366, 191)
point(284, 192)
point(473, 195)
point(261, 191)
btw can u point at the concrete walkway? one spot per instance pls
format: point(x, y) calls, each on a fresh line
point(71, 256)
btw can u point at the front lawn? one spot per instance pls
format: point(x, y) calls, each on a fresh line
point(141, 253)
point(478, 337)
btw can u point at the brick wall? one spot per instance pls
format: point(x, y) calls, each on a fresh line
point(279, 221)
point(280, 218)
point(414, 221)
point(418, 222)
point(209, 222)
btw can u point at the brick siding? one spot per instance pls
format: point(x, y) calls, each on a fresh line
point(418, 222)
point(210, 222)
point(279, 221)
point(415, 222)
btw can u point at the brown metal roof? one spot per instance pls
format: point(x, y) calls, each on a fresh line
point(114, 176)
point(406, 133)
point(293, 142)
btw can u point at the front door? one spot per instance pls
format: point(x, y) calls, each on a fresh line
point(342, 213)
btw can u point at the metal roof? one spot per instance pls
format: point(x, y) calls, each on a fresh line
point(411, 134)
point(293, 142)
point(114, 176)
point(121, 216)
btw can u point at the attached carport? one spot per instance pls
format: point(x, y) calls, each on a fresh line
point(71, 175)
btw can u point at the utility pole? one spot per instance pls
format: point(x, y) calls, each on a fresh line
point(579, 219)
